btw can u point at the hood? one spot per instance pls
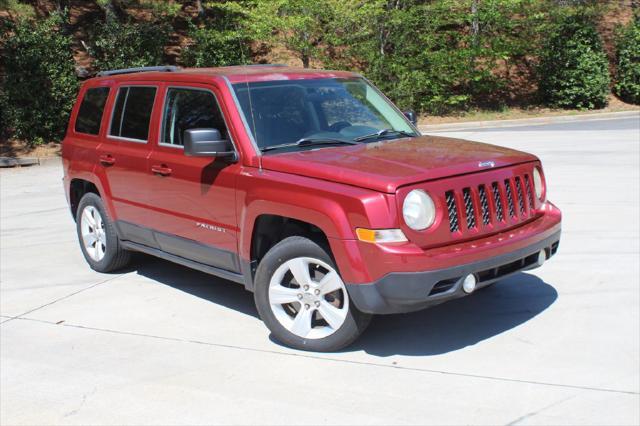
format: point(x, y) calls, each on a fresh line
point(387, 165)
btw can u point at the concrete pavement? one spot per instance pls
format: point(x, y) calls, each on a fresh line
point(161, 344)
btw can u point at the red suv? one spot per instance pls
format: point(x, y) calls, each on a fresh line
point(308, 187)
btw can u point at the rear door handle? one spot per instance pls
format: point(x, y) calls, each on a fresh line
point(161, 170)
point(107, 160)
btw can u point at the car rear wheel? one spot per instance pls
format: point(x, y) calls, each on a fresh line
point(98, 239)
point(302, 299)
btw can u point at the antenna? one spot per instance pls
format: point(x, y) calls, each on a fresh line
point(253, 118)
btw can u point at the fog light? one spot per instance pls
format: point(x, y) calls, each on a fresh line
point(469, 283)
point(542, 257)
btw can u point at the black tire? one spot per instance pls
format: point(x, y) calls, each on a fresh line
point(115, 256)
point(289, 248)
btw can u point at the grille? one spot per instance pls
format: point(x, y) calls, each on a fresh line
point(520, 195)
point(497, 199)
point(484, 205)
point(497, 204)
point(512, 210)
point(453, 211)
point(468, 208)
point(527, 183)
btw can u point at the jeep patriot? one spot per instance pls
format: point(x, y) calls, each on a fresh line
point(308, 187)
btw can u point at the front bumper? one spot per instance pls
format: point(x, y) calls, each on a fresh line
point(399, 292)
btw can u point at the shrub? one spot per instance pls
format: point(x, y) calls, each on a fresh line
point(425, 56)
point(127, 44)
point(212, 47)
point(40, 84)
point(222, 35)
point(574, 68)
point(628, 55)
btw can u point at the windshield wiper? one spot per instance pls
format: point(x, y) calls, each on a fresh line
point(309, 142)
point(383, 132)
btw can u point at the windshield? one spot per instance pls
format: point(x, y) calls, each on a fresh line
point(283, 112)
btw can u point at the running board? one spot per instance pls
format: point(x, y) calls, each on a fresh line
point(228, 275)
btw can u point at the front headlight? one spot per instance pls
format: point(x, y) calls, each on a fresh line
point(418, 210)
point(538, 184)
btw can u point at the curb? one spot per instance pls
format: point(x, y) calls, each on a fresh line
point(470, 125)
point(15, 162)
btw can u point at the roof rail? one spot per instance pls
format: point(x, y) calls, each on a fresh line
point(163, 68)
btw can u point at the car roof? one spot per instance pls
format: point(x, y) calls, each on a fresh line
point(235, 74)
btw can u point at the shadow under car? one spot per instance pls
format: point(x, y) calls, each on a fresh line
point(443, 328)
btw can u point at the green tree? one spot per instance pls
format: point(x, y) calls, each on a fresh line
point(301, 26)
point(628, 62)
point(120, 42)
point(40, 85)
point(221, 35)
point(574, 70)
point(420, 53)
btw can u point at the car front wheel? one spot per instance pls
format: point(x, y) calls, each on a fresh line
point(302, 299)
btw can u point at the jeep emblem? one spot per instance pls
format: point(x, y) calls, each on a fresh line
point(486, 164)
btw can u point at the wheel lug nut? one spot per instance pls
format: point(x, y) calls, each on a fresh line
point(317, 304)
point(306, 287)
point(299, 296)
point(317, 292)
point(307, 306)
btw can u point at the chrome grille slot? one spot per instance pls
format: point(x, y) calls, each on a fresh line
point(453, 211)
point(512, 209)
point(468, 208)
point(520, 195)
point(527, 183)
point(484, 205)
point(497, 199)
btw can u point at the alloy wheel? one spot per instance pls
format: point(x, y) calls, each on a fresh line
point(94, 238)
point(308, 298)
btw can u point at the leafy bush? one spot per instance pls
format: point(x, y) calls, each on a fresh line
point(222, 35)
point(574, 68)
point(212, 47)
point(432, 70)
point(40, 84)
point(127, 44)
point(628, 54)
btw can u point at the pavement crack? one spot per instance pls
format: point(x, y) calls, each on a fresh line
point(535, 413)
point(82, 402)
point(11, 318)
point(330, 359)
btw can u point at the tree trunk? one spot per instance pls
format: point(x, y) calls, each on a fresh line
point(475, 25)
point(199, 7)
point(305, 60)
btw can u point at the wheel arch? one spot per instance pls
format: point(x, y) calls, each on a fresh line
point(78, 187)
point(265, 229)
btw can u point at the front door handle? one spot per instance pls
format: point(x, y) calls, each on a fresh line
point(161, 170)
point(107, 160)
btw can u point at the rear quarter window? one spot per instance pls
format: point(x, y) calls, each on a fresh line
point(91, 110)
point(132, 112)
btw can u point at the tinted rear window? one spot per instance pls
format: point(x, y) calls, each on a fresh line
point(91, 109)
point(132, 112)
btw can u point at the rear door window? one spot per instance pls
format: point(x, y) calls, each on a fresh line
point(91, 109)
point(132, 112)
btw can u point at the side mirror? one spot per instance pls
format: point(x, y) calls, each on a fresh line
point(207, 143)
point(411, 116)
